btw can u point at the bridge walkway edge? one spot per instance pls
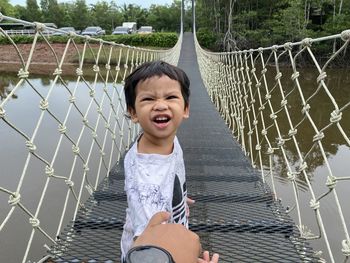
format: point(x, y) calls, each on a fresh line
point(235, 214)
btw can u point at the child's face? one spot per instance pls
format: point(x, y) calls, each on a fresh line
point(159, 107)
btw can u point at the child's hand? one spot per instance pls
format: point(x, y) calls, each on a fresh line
point(206, 258)
point(189, 202)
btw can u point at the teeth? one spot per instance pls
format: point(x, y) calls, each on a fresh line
point(161, 118)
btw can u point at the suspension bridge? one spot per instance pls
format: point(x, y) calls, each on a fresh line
point(62, 198)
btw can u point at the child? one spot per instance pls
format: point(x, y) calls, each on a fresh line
point(157, 97)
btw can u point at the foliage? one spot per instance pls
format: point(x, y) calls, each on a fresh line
point(262, 23)
point(165, 40)
point(207, 39)
point(162, 40)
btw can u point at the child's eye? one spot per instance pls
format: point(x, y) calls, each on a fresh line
point(172, 97)
point(146, 99)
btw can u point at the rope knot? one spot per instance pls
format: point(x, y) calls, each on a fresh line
point(291, 176)
point(71, 99)
point(102, 153)
point(273, 116)
point(34, 222)
point(125, 66)
point(278, 76)
point(255, 122)
point(62, 129)
point(117, 68)
point(108, 67)
point(94, 134)
point(49, 171)
point(314, 204)
point(75, 149)
point(305, 109)
point(280, 142)
point(69, 183)
point(39, 26)
point(322, 76)
point(260, 50)
point(270, 150)
point(331, 182)
point(345, 35)
point(264, 71)
point(302, 167)
point(31, 146)
point(92, 93)
point(44, 104)
point(268, 96)
point(284, 103)
point(318, 136)
point(292, 132)
point(96, 68)
point(274, 48)
point(335, 116)
point(85, 121)
point(58, 71)
point(288, 46)
point(264, 132)
point(295, 75)
point(86, 167)
point(306, 42)
point(345, 247)
point(79, 72)
point(262, 107)
point(252, 70)
point(22, 74)
point(258, 147)
point(14, 199)
point(2, 112)
point(252, 101)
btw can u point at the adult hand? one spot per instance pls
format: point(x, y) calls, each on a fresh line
point(206, 258)
point(182, 244)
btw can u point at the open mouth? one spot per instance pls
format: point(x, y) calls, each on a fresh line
point(161, 119)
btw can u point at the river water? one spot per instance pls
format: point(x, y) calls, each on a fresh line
point(335, 147)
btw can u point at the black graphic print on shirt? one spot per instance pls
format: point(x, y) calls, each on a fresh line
point(179, 205)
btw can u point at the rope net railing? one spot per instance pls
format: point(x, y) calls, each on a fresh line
point(261, 96)
point(61, 140)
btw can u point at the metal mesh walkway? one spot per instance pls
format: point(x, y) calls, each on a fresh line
point(234, 214)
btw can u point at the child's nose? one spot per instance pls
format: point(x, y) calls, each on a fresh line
point(160, 105)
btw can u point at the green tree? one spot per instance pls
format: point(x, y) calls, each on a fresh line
point(32, 12)
point(51, 12)
point(80, 15)
point(6, 8)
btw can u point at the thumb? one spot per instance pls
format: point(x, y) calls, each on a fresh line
point(158, 218)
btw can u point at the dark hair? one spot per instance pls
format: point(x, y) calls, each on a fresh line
point(150, 69)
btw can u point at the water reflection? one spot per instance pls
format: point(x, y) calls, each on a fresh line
point(321, 107)
point(6, 85)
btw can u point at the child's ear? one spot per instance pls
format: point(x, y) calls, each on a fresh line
point(133, 115)
point(187, 112)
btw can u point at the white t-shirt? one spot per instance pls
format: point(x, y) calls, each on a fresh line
point(153, 183)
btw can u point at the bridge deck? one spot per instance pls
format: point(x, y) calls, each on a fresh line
point(234, 214)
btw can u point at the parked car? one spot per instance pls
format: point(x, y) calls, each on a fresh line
point(93, 31)
point(145, 30)
point(66, 30)
point(120, 30)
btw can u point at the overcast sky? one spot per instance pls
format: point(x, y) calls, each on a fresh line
point(143, 3)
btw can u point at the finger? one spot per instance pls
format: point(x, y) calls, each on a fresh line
point(215, 258)
point(190, 201)
point(159, 218)
point(206, 256)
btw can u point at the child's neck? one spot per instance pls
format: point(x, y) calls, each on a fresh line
point(159, 146)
